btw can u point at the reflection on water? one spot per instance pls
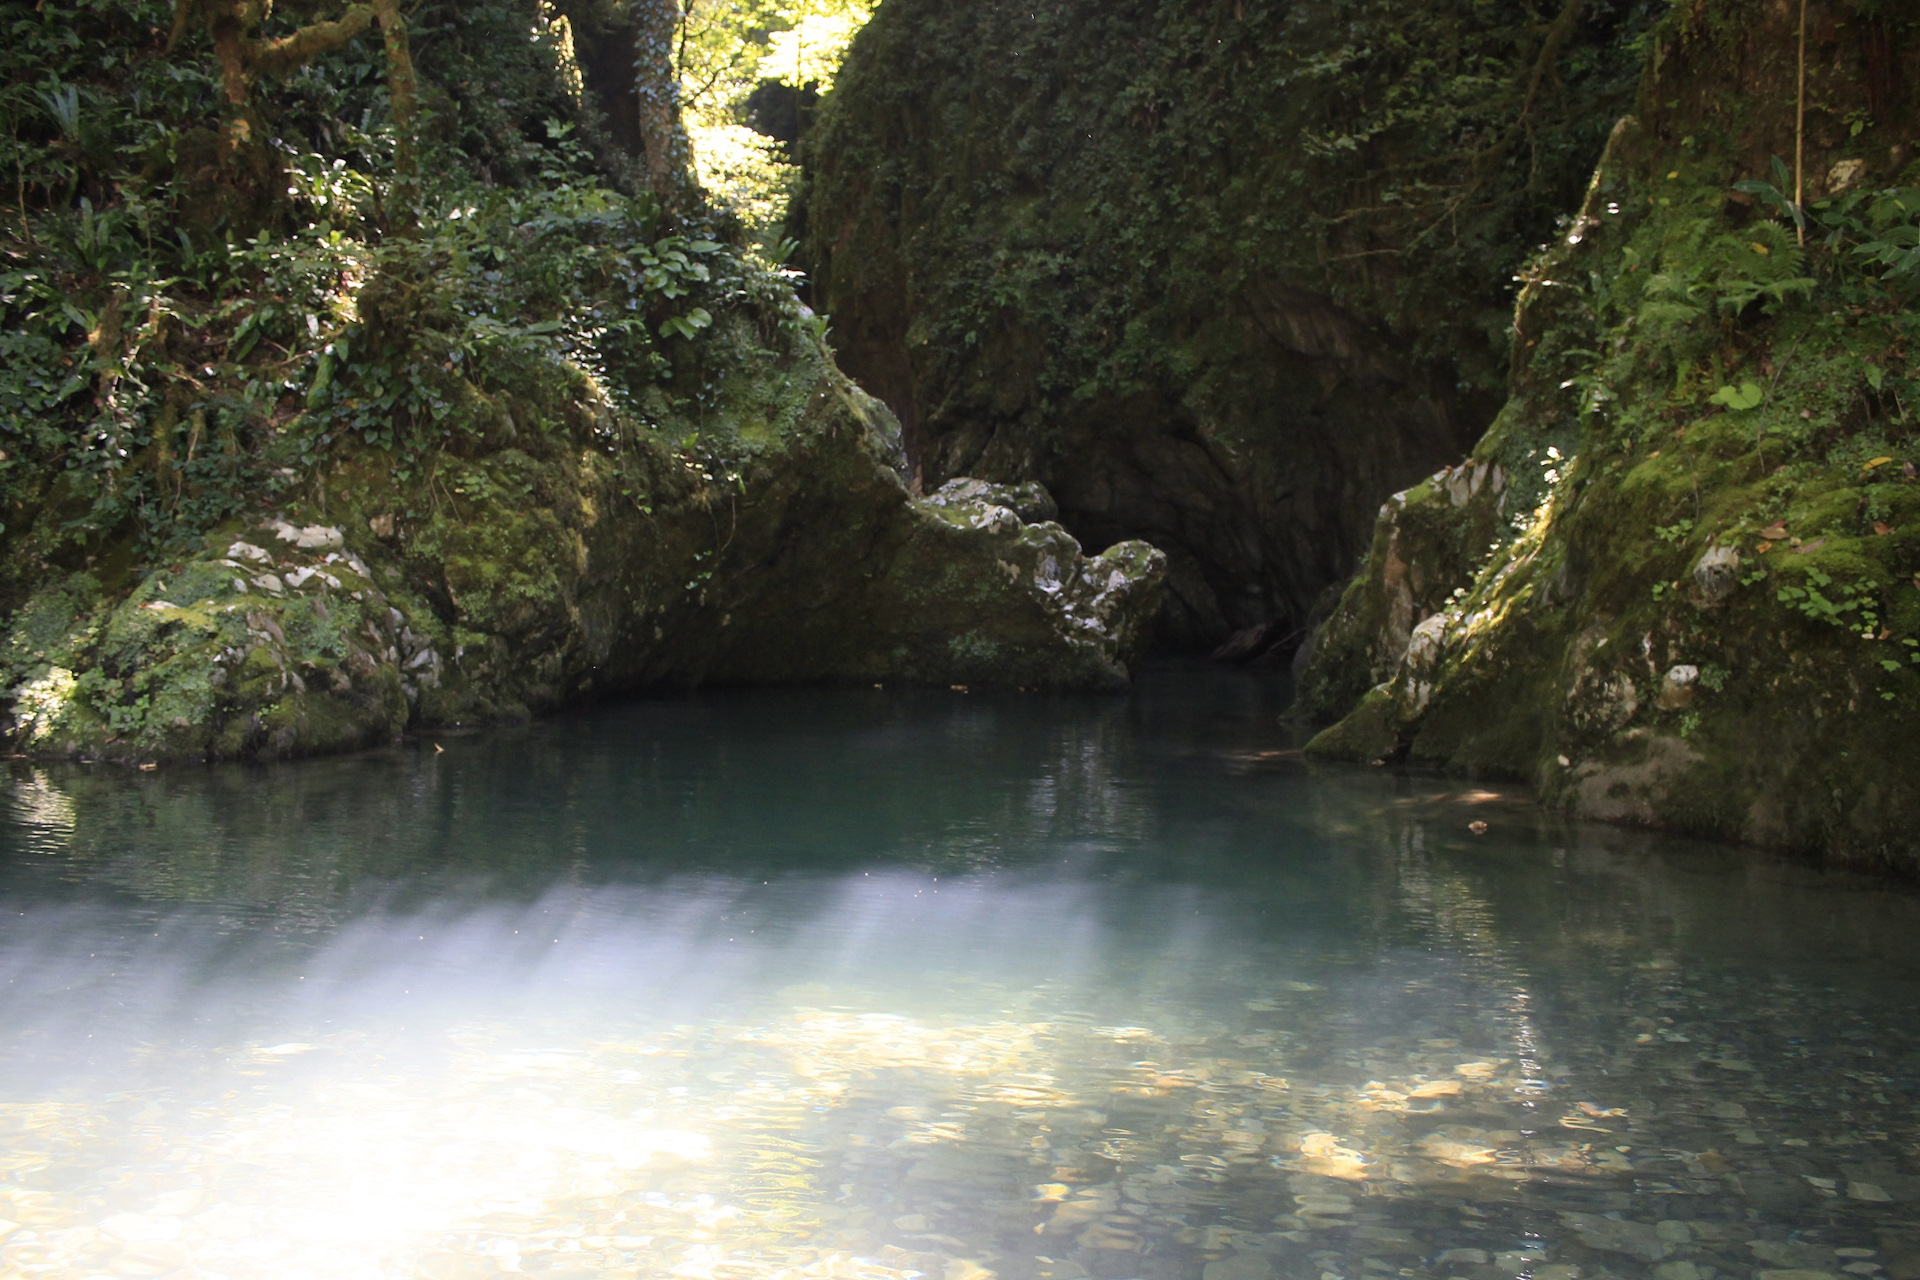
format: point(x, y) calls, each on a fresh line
point(902, 984)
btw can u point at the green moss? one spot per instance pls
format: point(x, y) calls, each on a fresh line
point(1368, 734)
point(1708, 619)
point(1218, 275)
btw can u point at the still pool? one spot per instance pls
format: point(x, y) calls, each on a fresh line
point(877, 983)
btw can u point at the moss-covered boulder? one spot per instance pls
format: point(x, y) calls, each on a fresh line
point(388, 413)
point(1695, 602)
point(578, 554)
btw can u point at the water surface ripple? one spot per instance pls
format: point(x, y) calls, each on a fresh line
point(885, 984)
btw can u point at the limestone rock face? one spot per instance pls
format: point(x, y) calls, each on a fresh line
point(1027, 501)
point(1694, 600)
point(1114, 248)
point(546, 581)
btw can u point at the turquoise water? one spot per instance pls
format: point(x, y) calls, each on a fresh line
point(886, 983)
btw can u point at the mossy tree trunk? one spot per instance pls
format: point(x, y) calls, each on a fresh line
point(404, 97)
point(625, 52)
point(663, 134)
point(232, 27)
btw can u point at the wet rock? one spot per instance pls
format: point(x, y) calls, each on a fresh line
point(311, 537)
point(1425, 548)
point(1426, 648)
point(829, 569)
point(1790, 1254)
point(1617, 1235)
point(1462, 1258)
point(1594, 583)
point(1244, 1266)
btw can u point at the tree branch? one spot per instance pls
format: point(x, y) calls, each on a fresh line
point(306, 44)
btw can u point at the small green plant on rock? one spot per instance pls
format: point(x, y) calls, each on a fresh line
point(1824, 600)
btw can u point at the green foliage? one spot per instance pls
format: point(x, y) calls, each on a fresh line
point(1676, 532)
point(728, 47)
point(175, 353)
point(1868, 232)
point(1122, 173)
point(1852, 606)
point(1747, 395)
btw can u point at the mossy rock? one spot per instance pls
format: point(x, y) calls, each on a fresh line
point(548, 566)
point(1705, 612)
point(1220, 276)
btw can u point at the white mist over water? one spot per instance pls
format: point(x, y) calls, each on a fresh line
point(353, 1103)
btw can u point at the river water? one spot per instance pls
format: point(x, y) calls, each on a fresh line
point(886, 983)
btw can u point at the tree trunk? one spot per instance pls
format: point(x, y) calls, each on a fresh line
point(404, 96)
point(603, 47)
point(663, 135)
point(230, 25)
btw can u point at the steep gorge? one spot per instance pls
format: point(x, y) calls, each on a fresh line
point(1228, 277)
point(1219, 275)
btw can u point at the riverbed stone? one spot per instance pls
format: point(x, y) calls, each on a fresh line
point(1243, 1266)
point(1638, 1240)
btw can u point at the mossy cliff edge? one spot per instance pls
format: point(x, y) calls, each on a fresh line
point(539, 580)
point(1678, 581)
point(1218, 274)
point(322, 423)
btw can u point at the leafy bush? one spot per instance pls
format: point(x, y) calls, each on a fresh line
point(189, 330)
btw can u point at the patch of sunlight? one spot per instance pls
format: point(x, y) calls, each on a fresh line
point(744, 169)
point(729, 49)
point(37, 802)
point(1324, 1154)
point(806, 1142)
point(811, 50)
point(41, 702)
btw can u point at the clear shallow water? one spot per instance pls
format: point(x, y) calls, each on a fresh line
point(883, 984)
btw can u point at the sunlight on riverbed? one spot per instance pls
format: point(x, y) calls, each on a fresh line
point(437, 1094)
point(943, 988)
